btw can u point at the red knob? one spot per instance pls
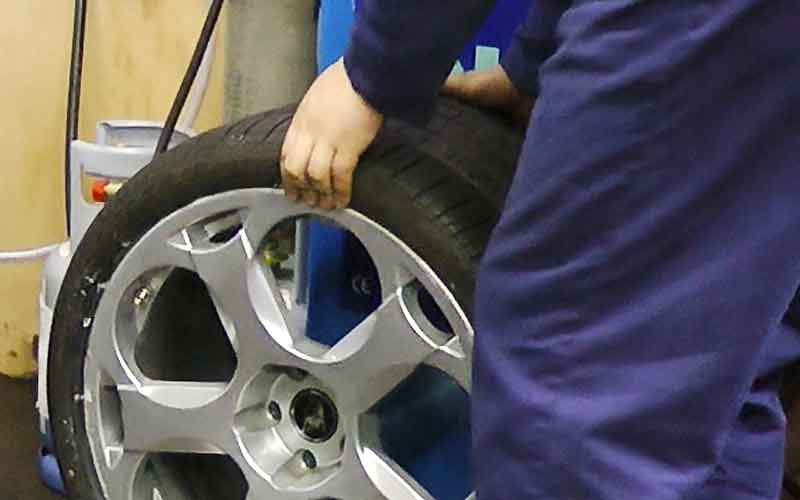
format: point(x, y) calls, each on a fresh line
point(99, 194)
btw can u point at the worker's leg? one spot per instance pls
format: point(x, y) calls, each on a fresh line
point(751, 466)
point(649, 248)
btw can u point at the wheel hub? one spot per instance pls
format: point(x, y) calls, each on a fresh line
point(315, 415)
point(287, 417)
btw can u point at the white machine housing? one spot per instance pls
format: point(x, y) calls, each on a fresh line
point(122, 148)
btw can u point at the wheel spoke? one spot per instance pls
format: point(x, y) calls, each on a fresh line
point(119, 478)
point(103, 353)
point(248, 300)
point(390, 479)
point(382, 351)
point(261, 489)
point(197, 420)
point(114, 327)
point(258, 488)
point(386, 254)
point(265, 213)
point(450, 358)
point(271, 454)
point(374, 476)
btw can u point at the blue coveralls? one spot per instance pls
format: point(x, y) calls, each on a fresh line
point(629, 333)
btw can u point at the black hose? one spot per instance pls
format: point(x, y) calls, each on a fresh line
point(189, 77)
point(74, 97)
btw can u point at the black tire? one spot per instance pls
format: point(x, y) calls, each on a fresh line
point(439, 189)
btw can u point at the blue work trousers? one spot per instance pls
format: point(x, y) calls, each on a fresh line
point(630, 312)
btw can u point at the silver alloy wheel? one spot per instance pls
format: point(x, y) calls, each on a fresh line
point(294, 415)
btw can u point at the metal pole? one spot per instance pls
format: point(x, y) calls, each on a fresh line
point(270, 54)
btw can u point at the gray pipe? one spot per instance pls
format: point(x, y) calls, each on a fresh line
point(270, 55)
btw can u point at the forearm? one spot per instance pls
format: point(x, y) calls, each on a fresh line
point(401, 51)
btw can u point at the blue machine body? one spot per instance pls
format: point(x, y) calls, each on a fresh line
point(336, 19)
point(337, 263)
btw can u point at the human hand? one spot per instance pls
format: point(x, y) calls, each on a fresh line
point(332, 127)
point(492, 90)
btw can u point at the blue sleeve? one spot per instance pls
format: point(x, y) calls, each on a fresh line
point(534, 42)
point(401, 51)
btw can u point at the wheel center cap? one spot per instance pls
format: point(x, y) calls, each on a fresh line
point(314, 413)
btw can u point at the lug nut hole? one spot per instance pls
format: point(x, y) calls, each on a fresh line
point(309, 460)
point(274, 410)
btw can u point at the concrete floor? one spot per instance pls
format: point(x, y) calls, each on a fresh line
point(19, 440)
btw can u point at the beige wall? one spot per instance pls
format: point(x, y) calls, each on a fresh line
point(137, 51)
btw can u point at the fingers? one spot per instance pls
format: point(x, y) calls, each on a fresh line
point(288, 145)
point(295, 156)
point(332, 118)
point(306, 172)
point(316, 174)
point(344, 164)
point(319, 176)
